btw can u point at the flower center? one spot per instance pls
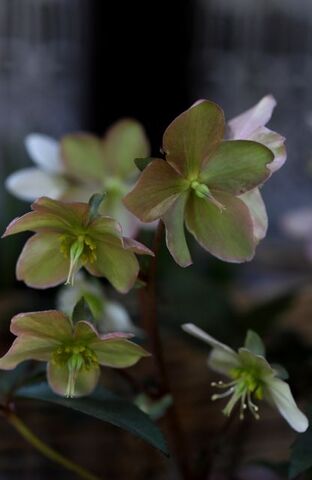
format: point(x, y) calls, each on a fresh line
point(202, 191)
point(76, 358)
point(80, 250)
point(245, 385)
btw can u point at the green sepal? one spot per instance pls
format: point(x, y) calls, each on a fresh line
point(141, 163)
point(82, 312)
point(94, 205)
point(254, 344)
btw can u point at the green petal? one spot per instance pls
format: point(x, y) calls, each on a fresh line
point(193, 136)
point(27, 347)
point(86, 381)
point(48, 324)
point(175, 234)
point(257, 363)
point(118, 265)
point(222, 361)
point(74, 214)
point(123, 142)
point(83, 156)
point(253, 200)
point(279, 394)
point(117, 352)
point(136, 247)
point(35, 221)
point(105, 227)
point(237, 166)
point(254, 343)
point(41, 263)
point(226, 234)
point(158, 187)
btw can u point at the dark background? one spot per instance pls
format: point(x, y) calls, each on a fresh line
point(68, 65)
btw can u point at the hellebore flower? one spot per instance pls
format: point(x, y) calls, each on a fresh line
point(74, 352)
point(109, 315)
point(250, 125)
point(251, 378)
point(47, 178)
point(69, 237)
point(81, 164)
point(199, 184)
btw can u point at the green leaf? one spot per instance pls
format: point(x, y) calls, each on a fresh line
point(105, 406)
point(142, 163)
point(301, 456)
point(94, 204)
point(254, 344)
point(82, 311)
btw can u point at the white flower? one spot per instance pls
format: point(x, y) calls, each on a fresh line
point(251, 378)
point(46, 179)
point(250, 125)
point(298, 225)
point(109, 316)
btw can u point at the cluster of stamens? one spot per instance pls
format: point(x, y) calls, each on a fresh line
point(241, 390)
point(76, 358)
point(79, 250)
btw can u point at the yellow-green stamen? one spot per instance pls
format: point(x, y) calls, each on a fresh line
point(75, 357)
point(79, 250)
point(245, 384)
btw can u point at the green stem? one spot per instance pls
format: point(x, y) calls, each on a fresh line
point(47, 451)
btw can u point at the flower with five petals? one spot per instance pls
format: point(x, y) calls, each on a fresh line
point(74, 352)
point(68, 237)
point(199, 184)
point(252, 378)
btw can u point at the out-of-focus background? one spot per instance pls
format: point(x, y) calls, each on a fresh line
point(71, 65)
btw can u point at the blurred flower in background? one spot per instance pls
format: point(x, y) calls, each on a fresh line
point(298, 225)
point(82, 164)
point(109, 315)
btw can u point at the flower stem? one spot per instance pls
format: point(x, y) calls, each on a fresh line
point(47, 451)
point(148, 301)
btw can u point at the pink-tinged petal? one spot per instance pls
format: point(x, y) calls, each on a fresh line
point(74, 214)
point(86, 333)
point(278, 392)
point(237, 166)
point(86, 380)
point(117, 352)
point(105, 227)
point(158, 187)
point(31, 183)
point(136, 247)
point(123, 142)
point(27, 347)
point(45, 152)
point(242, 126)
point(36, 222)
point(41, 263)
point(48, 324)
point(118, 265)
point(113, 207)
point(193, 136)
point(275, 143)
point(225, 233)
point(175, 233)
point(253, 200)
point(83, 157)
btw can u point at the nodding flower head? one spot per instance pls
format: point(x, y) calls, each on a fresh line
point(251, 379)
point(73, 352)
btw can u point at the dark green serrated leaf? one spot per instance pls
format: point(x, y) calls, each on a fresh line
point(142, 163)
point(82, 311)
point(301, 455)
point(105, 406)
point(254, 343)
point(94, 204)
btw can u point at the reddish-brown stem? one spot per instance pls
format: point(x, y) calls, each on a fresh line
point(148, 302)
